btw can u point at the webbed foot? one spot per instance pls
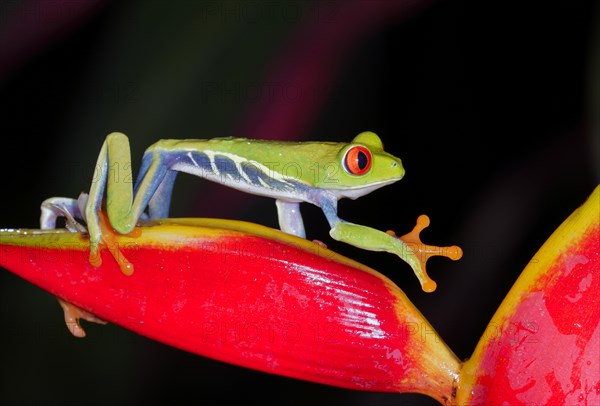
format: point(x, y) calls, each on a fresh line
point(423, 251)
point(72, 316)
point(109, 240)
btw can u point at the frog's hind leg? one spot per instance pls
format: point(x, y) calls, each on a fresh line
point(71, 210)
point(56, 207)
point(123, 207)
point(72, 316)
point(159, 204)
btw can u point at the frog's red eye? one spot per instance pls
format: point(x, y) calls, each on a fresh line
point(357, 160)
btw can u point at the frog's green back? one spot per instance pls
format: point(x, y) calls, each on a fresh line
point(313, 163)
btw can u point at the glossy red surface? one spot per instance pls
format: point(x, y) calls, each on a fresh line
point(547, 349)
point(550, 353)
point(276, 306)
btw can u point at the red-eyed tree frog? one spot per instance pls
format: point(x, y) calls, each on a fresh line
point(320, 173)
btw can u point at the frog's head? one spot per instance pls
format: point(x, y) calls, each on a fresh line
point(364, 166)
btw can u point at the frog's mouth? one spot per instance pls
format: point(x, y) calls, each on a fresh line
point(358, 191)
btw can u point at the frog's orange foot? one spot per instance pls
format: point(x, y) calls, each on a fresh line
point(423, 251)
point(72, 316)
point(109, 240)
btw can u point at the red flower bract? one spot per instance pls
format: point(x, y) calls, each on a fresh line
point(543, 344)
point(248, 295)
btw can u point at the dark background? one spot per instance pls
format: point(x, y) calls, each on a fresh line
point(492, 106)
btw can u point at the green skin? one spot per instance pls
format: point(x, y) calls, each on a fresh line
point(320, 173)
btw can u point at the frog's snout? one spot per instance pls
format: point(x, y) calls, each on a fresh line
point(397, 168)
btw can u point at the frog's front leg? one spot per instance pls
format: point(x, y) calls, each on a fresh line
point(375, 240)
point(290, 219)
point(409, 247)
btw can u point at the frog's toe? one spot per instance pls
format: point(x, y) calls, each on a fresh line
point(72, 316)
point(320, 243)
point(423, 251)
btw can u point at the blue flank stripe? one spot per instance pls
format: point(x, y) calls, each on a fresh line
point(253, 173)
point(228, 171)
point(226, 168)
point(200, 159)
